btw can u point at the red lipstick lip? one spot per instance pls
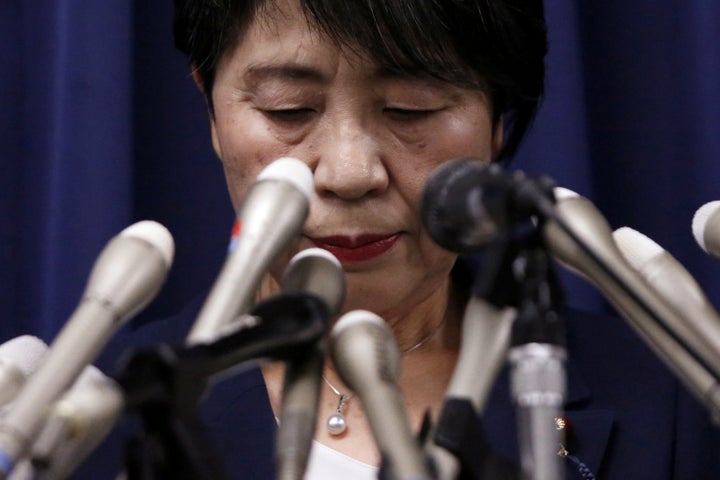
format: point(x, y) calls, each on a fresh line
point(356, 249)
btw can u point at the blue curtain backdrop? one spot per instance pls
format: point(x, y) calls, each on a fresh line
point(100, 126)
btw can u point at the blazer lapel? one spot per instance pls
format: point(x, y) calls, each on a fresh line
point(587, 434)
point(587, 431)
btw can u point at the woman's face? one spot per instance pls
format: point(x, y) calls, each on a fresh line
point(371, 138)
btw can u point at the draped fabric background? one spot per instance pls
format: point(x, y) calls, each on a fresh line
point(101, 125)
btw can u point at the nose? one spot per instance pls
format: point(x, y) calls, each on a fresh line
point(349, 162)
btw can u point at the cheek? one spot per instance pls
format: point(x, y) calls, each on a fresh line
point(468, 136)
point(460, 137)
point(244, 148)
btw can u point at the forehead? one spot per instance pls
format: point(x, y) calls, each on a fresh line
point(282, 33)
point(279, 32)
point(285, 27)
point(282, 44)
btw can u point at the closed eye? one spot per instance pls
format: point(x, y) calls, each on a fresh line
point(290, 115)
point(407, 115)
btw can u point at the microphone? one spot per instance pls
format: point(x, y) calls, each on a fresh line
point(670, 278)
point(486, 332)
point(317, 272)
point(270, 219)
point(126, 277)
point(76, 424)
point(706, 228)
point(19, 358)
point(588, 223)
point(585, 244)
point(368, 361)
point(467, 204)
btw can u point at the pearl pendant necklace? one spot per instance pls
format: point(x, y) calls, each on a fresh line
point(336, 423)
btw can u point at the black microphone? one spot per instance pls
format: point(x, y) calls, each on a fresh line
point(126, 277)
point(317, 272)
point(367, 360)
point(706, 228)
point(76, 424)
point(468, 204)
point(270, 220)
point(467, 207)
point(19, 358)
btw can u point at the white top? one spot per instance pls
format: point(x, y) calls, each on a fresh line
point(328, 464)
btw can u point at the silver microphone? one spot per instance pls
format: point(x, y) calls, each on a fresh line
point(706, 228)
point(670, 278)
point(486, 332)
point(126, 276)
point(368, 361)
point(270, 219)
point(76, 424)
point(653, 318)
point(316, 272)
point(19, 358)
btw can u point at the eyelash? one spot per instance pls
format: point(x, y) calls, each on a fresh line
point(300, 115)
point(290, 115)
point(408, 115)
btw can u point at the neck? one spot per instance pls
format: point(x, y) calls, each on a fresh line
point(431, 324)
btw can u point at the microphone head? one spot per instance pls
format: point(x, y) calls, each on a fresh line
point(77, 423)
point(364, 350)
point(19, 358)
point(156, 235)
point(638, 249)
point(131, 269)
point(562, 193)
point(290, 170)
point(24, 352)
point(318, 272)
point(468, 204)
point(705, 224)
point(464, 205)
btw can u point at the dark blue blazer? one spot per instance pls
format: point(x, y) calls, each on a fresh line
point(629, 417)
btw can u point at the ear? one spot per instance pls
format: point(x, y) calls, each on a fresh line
point(213, 127)
point(497, 137)
point(214, 136)
point(198, 81)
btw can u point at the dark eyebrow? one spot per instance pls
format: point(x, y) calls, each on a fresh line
point(385, 72)
point(429, 80)
point(420, 79)
point(257, 73)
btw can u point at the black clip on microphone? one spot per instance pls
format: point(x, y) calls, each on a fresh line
point(165, 384)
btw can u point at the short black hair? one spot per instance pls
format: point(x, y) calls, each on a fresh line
point(499, 45)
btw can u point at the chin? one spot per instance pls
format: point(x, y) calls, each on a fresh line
point(373, 292)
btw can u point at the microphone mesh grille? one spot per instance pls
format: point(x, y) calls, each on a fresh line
point(700, 219)
point(25, 352)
